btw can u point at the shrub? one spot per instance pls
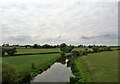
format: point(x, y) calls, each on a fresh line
point(73, 80)
point(10, 52)
point(86, 49)
point(96, 49)
point(65, 48)
point(9, 74)
point(26, 77)
point(62, 54)
point(75, 53)
point(33, 65)
point(108, 49)
point(84, 52)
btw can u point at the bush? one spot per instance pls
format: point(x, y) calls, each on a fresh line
point(33, 65)
point(26, 77)
point(86, 49)
point(65, 48)
point(84, 52)
point(73, 80)
point(9, 74)
point(96, 49)
point(10, 52)
point(75, 53)
point(62, 54)
point(108, 49)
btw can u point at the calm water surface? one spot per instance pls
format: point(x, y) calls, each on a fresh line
point(58, 72)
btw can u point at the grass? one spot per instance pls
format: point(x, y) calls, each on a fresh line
point(24, 62)
point(24, 51)
point(82, 49)
point(99, 67)
point(18, 47)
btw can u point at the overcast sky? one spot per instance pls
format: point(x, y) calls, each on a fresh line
point(56, 21)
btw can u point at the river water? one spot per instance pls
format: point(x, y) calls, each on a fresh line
point(58, 72)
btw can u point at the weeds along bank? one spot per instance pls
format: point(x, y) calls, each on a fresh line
point(26, 67)
point(96, 67)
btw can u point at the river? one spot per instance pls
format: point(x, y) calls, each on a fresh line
point(58, 72)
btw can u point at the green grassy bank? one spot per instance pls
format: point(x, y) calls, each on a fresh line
point(33, 64)
point(24, 62)
point(98, 67)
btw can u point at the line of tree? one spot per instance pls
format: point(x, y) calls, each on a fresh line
point(9, 52)
point(54, 46)
point(99, 49)
point(45, 46)
point(65, 48)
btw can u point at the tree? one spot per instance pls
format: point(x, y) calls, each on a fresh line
point(80, 46)
point(26, 46)
point(63, 47)
point(90, 46)
point(108, 49)
point(86, 49)
point(70, 48)
point(96, 49)
point(35, 46)
point(62, 54)
point(46, 46)
point(12, 51)
point(3, 45)
point(75, 53)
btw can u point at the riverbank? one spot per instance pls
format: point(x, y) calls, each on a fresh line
point(29, 66)
point(96, 67)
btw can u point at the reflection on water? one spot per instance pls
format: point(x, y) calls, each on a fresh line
point(58, 72)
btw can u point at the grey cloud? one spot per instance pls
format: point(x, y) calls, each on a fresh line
point(58, 21)
point(56, 39)
point(94, 37)
point(20, 38)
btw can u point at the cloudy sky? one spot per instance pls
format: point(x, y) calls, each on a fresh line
point(56, 21)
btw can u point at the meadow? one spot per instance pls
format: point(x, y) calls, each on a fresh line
point(82, 49)
point(98, 67)
point(29, 62)
point(25, 51)
point(23, 63)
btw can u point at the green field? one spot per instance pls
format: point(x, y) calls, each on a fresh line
point(99, 67)
point(24, 62)
point(82, 49)
point(20, 47)
point(94, 67)
point(24, 51)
